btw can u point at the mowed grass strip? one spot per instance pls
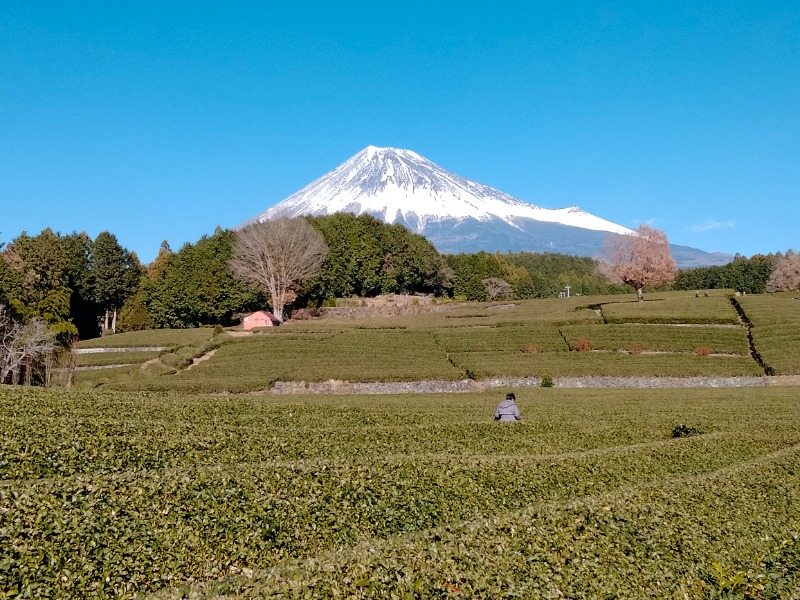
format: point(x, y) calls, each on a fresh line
point(673, 307)
point(637, 337)
point(94, 378)
point(603, 363)
point(775, 320)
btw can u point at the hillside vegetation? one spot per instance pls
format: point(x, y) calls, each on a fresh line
point(88, 287)
point(674, 334)
point(667, 493)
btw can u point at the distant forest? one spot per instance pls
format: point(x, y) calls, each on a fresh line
point(83, 286)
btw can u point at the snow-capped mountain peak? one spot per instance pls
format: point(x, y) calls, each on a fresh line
point(400, 185)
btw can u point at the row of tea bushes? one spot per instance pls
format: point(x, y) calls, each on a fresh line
point(775, 320)
point(138, 531)
point(613, 364)
point(673, 307)
point(179, 489)
point(728, 534)
point(663, 338)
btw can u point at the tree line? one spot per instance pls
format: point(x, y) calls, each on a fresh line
point(73, 283)
point(754, 275)
point(83, 287)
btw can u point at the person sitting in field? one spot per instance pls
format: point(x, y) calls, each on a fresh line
point(508, 411)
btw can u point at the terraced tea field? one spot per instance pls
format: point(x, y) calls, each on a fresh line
point(672, 334)
point(113, 494)
point(775, 320)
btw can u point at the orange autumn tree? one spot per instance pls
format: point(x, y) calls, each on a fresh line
point(638, 259)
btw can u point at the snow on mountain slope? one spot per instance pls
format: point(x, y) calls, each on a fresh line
point(401, 185)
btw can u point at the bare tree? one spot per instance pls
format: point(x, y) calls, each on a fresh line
point(638, 259)
point(23, 348)
point(785, 276)
point(61, 367)
point(276, 255)
point(497, 288)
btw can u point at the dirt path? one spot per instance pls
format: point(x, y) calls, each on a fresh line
point(205, 357)
point(239, 333)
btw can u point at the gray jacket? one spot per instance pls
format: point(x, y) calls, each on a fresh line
point(507, 411)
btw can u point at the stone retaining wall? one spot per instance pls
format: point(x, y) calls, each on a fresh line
point(110, 350)
point(469, 385)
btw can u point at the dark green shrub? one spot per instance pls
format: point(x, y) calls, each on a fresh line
point(547, 381)
point(682, 431)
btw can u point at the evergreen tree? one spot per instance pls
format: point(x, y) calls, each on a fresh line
point(115, 274)
point(37, 281)
point(194, 287)
point(748, 275)
point(470, 270)
point(367, 257)
point(82, 308)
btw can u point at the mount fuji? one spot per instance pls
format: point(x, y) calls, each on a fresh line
point(455, 213)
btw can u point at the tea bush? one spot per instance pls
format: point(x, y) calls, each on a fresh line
point(116, 494)
point(152, 338)
point(681, 431)
point(775, 320)
point(507, 338)
point(666, 541)
point(662, 338)
point(577, 364)
point(673, 307)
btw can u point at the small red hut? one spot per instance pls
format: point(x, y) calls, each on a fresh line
point(260, 318)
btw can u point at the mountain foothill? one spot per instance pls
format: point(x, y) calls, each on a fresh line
point(393, 222)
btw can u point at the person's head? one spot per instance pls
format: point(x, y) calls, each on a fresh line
point(511, 397)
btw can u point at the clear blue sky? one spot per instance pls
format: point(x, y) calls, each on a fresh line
point(161, 120)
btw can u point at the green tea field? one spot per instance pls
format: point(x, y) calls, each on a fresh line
point(690, 493)
point(174, 469)
point(672, 334)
